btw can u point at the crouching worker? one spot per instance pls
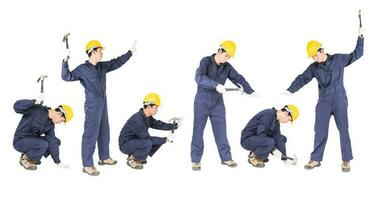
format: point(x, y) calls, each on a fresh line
point(35, 135)
point(135, 140)
point(262, 134)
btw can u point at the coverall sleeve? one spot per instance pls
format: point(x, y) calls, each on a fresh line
point(53, 145)
point(202, 79)
point(116, 63)
point(301, 80)
point(279, 141)
point(235, 77)
point(67, 75)
point(355, 55)
point(261, 130)
point(159, 125)
point(23, 106)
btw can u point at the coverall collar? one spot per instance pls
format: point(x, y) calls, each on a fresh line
point(90, 64)
point(141, 111)
point(213, 60)
point(326, 62)
point(146, 119)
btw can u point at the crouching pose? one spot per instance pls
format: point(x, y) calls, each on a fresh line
point(262, 134)
point(135, 140)
point(35, 135)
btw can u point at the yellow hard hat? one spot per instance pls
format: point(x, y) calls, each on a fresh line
point(293, 111)
point(67, 111)
point(230, 47)
point(152, 98)
point(93, 44)
point(312, 48)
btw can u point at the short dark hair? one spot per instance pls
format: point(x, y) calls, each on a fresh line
point(222, 50)
point(284, 109)
point(151, 105)
point(91, 52)
point(58, 109)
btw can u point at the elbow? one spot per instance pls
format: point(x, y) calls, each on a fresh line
point(64, 77)
point(198, 80)
point(361, 53)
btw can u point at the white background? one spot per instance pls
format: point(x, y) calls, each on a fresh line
point(271, 37)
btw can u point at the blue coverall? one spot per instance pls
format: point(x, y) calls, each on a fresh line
point(35, 135)
point(96, 127)
point(332, 99)
point(209, 103)
point(262, 134)
point(135, 139)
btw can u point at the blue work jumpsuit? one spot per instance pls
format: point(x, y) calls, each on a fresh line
point(96, 127)
point(135, 139)
point(35, 135)
point(209, 103)
point(262, 134)
point(332, 99)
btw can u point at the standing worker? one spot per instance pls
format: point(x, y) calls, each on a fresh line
point(92, 76)
point(210, 77)
point(35, 136)
point(329, 72)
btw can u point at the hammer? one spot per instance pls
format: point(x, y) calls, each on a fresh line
point(234, 89)
point(360, 19)
point(41, 78)
point(173, 120)
point(292, 161)
point(65, 39)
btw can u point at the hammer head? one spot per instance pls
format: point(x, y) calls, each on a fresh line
point(41, 78)
point(174, 120)
point(65, 38)
point(292, 161)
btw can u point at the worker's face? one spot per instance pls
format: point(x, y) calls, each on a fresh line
point(153, 110)
point(224, 57)
point(283, 117)
point(98, 53)
point(320, 56)
point(57, 117)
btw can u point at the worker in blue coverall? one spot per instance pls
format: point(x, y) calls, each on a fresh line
point(211, 75)
point(329, 72)
point(35, 135)
point(92, 76)
point(135, 140)
point(262, 134)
